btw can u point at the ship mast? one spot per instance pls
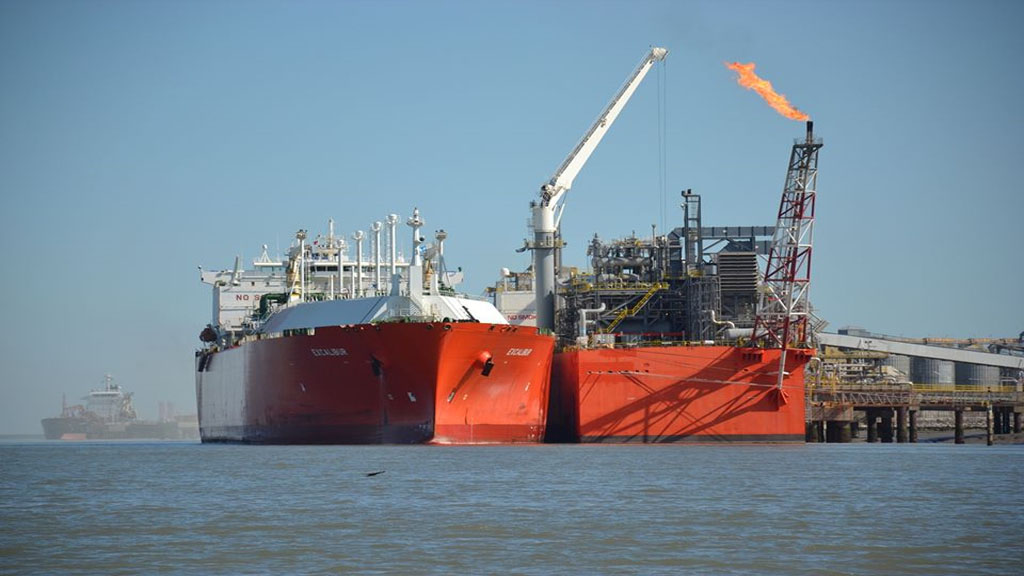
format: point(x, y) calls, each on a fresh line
point(375, 228)
point(416, 266)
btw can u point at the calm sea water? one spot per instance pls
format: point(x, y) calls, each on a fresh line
point(131, 508)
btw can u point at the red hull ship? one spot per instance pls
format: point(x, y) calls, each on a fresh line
point(675, 337)
point(304, 353)
point(677, 394)
point(454, 382)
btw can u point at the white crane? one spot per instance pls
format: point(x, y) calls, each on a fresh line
point(547, 212)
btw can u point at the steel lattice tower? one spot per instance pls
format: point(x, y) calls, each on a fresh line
point(784, 307)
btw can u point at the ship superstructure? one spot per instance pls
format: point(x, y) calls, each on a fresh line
point(684, 285)
point(326, 267)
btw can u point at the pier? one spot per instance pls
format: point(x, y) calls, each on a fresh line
point(897, 384)
point(891, 413)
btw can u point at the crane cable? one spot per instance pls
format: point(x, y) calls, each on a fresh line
point(663, 146)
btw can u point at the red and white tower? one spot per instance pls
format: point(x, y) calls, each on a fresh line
point(784, 309)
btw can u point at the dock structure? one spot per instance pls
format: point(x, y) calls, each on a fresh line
point(946, 353)
point(892, 414)
point(955, 380)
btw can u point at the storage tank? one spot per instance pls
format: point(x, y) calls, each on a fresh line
point(976, 375)
point(931, 371)
point(1012, 377)
point(899, 362)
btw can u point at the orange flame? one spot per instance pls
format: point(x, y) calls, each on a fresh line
point(746, 78)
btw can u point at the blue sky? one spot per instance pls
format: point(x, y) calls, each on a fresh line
point(139, 140)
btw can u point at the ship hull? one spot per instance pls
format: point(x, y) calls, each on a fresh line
point(77, 428)
point(677, 394)
point(66, 427)
point(387, 383)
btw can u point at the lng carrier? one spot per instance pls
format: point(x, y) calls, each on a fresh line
point(326, 349)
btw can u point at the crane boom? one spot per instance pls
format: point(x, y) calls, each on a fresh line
point(552, 194)
point(573, 163)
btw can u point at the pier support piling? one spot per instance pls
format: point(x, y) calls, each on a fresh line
point(844, 432)
point(1016, 423)
point(837, 432)
point(1007, 420)
point(958, 426)
point(901, 425)
point(885, 427)
point(913, 426)
point(872, 426)
point(988, 425)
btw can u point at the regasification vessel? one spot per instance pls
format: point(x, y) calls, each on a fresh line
point(665, 340)
point(326, 349)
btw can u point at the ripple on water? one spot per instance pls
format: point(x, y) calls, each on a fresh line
point(192, 509)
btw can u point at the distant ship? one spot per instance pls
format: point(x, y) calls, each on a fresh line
point(108, 415)
point(327, 349)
